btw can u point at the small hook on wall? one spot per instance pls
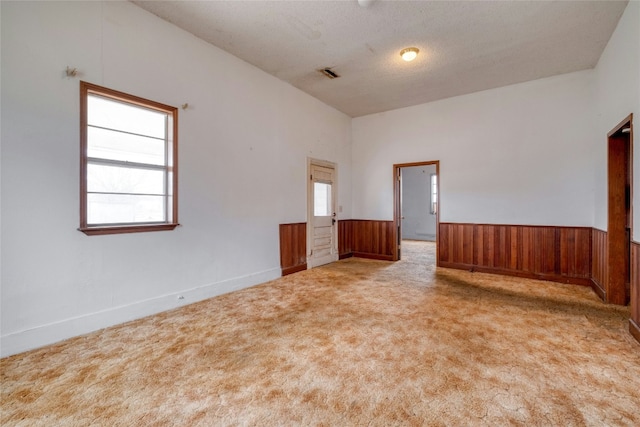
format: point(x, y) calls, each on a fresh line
point(185, 105)
point(71, 72)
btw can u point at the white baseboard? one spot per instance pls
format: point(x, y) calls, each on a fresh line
point(29, 339)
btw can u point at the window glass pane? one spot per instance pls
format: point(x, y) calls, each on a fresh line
point(125, 117)
point(113, 145)
point(321, 199)
point(114, 179)
point(124, 209)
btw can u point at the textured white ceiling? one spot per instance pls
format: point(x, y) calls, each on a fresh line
point(465, 46)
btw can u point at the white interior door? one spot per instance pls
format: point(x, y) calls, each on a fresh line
point(322, 216)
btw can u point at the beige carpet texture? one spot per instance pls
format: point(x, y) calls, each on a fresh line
point(355, 343)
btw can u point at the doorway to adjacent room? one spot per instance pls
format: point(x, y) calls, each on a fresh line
point(416, 203)
point(619, 227)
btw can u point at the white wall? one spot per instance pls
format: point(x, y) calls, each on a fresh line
point(521, 154)
point(617, 88)
point(418, 222)
point(243, 148)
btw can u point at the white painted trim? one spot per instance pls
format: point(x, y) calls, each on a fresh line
point(42, 335)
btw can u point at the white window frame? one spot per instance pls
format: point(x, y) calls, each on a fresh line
point(433, 185)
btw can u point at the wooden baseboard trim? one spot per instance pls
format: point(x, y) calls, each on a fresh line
point(634, 330)
point(294, 269)
point(635, 290)
point(347, 255)
point(379, 257)
point(547, 277)
point(599, 290)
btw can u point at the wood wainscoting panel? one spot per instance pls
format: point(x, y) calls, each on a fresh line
point(293, 247)
point(356, 237)
point(372, 239)
point(634, 322)
point(599, 262)
point(345, 238)
point(560, 254)
point(575, 252)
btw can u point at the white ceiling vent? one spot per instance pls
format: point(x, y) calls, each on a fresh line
point(329, 73)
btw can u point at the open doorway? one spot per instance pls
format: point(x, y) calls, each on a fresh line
point(419, 203)
point(619, 227)
point(416, 205)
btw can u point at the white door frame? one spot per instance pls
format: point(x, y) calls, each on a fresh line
point(334, 193)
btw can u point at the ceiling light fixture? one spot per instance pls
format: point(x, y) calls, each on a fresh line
point(409, 54)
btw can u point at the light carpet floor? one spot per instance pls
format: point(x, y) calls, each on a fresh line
point(355, 343)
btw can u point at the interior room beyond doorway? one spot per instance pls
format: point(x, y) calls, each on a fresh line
point(416, 203)
point(419, 202)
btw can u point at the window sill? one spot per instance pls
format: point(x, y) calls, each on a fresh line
point(98, 231)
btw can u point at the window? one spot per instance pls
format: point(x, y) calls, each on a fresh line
point(322, 199)
point(128, 164)
point(434, 194)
